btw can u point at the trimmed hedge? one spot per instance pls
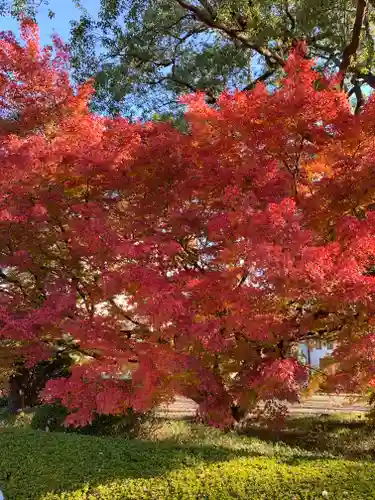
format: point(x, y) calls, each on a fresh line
point(55, 466)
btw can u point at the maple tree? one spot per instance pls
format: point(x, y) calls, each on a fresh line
point(195, 261)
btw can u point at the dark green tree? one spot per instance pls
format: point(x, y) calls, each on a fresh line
point(145, 53)
point(18, 8)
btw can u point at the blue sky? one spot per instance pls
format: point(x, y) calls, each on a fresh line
point(64, 10)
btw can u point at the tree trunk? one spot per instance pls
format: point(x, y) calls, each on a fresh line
point(16, 397)
point(238, 413)
point(26, 384)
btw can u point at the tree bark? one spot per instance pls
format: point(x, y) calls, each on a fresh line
point(25, 385)
point(238, 413)
point(16, 395)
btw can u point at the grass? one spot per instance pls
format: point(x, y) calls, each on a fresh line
point(343, 435)
point(308, 459)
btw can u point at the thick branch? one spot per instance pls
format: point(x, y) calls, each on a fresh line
point(351, 49)
point(356, 89)
point(367, 77)
point(205, 17)
point(207, 6)
point(290, 17)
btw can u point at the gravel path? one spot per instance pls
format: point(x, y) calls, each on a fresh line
point(316, 405)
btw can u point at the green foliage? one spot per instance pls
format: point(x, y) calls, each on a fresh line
point(145, 53)
point(128, 425)
point(152, 51)
point(189, 463)
point(3, 401)
point(331, 435)
point(22, 419)
point(51, 417)
point(18, 8)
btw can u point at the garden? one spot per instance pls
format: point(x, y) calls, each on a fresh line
point(307, 458)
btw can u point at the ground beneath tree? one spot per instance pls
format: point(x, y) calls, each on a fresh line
point(316, 405)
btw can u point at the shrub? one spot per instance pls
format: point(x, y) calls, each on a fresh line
point(128, 425)
point(3, 401)
point(21, 419)
point(51, 417)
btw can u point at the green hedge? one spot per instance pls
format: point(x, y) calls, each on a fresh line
point(41, 465)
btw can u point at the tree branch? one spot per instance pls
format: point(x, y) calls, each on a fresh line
point(367, 77)
point(207, 6)
point(318, 37)
point(13, 282)
point(124, 315)
point(351, 49)
point(242, 280)
point(356, 89)
point(262, 78)
point(290, 17)
point(205, 17)
point(183, 83)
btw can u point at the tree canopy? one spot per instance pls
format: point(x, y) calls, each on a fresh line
point(19, 8)
point(145, 53)
point(199, 258)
